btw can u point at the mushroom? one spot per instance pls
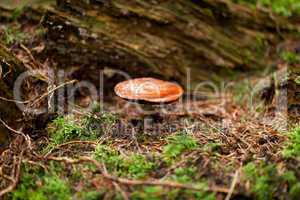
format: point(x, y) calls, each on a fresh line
point(149, 89)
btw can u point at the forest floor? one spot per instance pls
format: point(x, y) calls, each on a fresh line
point(224, 146)
point(228, 153)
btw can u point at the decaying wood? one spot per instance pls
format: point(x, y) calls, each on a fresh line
point(10, 68)
point(164, 38)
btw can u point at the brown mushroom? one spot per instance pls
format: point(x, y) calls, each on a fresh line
point(149, 89)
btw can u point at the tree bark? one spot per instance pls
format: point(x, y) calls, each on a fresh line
point(165, 38)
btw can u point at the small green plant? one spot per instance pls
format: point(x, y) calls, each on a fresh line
point(297, 80)
point(290, 57)
point(184, 175)
point(265, 180)
point(99, 124)
point(292, 149)
point(177, 144)
point(261, 179)
point(282, 7)
point(91, 195)
point(157, 193)
point(149, 193)
point(108, 155)
point(137, 166)
point(12, 35)
point(55, 188)
point(17, 12)
point(295, 191)
point(64, 129)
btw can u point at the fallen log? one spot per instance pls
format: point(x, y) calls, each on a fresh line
point(212, 38)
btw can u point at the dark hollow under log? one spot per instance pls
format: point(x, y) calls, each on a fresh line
point(10, 68)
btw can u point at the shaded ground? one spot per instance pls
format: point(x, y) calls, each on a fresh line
point(223, 148)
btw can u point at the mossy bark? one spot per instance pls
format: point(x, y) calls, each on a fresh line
point(164, 38)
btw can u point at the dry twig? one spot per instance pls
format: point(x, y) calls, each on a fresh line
point(233, 184)
point(15, 176)
point(70, 143)
point(130, 182)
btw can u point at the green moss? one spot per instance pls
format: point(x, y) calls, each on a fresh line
point(149, 193)
point(13, 35)
point(35, 184)
point(292, 148)
point(157, 193)
point(294, 192)
point(177, 144)
point(64, 129)
point(99, 123)
point(297, 80)
point(90, 195)
point(56, 188)
point(137, 166)
point(290, 57)
point(282, 7)
point(52, 188)
point(184, 175)
point(90, 127)
point(17, 12)
point(266, 179)
point(261, 179)
point(108, 155)
point(133, 166)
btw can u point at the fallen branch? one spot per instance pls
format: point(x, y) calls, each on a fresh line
point(233, 184)
point(125, 181)
point(70, 143)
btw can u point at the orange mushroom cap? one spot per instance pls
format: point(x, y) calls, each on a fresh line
point(149, 89)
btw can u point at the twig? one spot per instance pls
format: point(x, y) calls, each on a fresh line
point(51, 91)
point(178, 164)
point(123, 193)
point(70, 143)
point(16, 177)
point(14, 101)
point(233, 184)
point(117, 186)
point(37, 64)
point(36, 164)
point(131, 182)
point(11, 129)
point(26, 137)
point(38, 99)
